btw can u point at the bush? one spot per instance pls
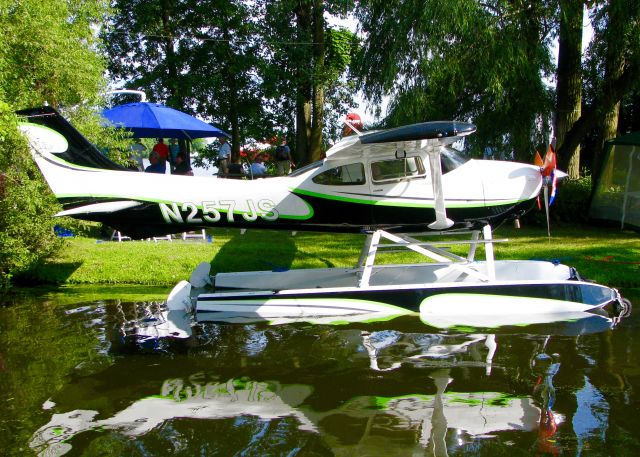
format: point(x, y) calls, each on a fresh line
point(26, 204)
point(570, 205)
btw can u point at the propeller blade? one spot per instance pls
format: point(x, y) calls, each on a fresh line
point(547, 169)
point(537, 160)
point(549, 161)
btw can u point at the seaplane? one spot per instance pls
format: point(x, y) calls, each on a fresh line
point(392, 185)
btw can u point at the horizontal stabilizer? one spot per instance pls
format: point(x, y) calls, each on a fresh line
point(106, 207)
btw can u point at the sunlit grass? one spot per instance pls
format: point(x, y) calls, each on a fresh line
point(608, 256)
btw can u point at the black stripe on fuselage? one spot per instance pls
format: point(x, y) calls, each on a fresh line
point(328, 215)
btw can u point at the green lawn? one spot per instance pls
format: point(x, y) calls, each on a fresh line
point(608, 256)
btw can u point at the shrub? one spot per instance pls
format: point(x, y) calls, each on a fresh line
point(26, 204)
point(570, 205)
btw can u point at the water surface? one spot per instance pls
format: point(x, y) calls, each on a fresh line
point(109, 372)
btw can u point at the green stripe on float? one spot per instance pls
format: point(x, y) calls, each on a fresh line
point(368, 321)
point(325, 301)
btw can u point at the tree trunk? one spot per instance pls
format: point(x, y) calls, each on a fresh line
point(170, 55)
point(619, 78)
point(521, 138)
point(303, 91)
point(317, 120)
point(232, 97)
point(614, 68)
point(611, 95)
point(524, 121)
point(303, 125)
point(569, 86)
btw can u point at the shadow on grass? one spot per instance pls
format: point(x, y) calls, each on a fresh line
point(256, 250)
point(48, 273)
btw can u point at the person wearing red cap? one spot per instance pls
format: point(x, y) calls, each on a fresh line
point(355, 121)
point(162, 150)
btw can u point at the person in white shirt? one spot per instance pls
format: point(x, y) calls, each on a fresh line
point(224, 154)
point(257, 167)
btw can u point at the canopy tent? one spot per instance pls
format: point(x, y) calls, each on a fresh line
point(617, 193)
point(152, 120)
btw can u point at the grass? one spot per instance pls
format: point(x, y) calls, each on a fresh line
point(608, 256)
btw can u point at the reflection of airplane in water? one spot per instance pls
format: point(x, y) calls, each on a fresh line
point(428, 416)
point(425, 387)
point(388, 184)
point(545, 367)
point(177, 400)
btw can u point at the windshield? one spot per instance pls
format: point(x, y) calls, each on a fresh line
point(306, 168)
point(451, 158)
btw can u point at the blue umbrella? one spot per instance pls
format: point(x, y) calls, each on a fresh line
point(151, 120)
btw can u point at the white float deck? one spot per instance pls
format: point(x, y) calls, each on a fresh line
point(387, 275)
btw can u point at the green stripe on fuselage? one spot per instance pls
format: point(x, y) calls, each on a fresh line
point(404, 204)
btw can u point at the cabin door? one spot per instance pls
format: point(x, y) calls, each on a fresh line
point(401, 191)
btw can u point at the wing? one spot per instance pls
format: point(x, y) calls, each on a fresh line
point(421, 131)
point(405, 138)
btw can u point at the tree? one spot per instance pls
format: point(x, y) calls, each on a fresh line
point(255, 68)
point(47, 54)
point(223, 78)
point(462, 59)
point(612, 68)
point(314, 59)
point(294, 57)
point(197, 56)
point(569, 81)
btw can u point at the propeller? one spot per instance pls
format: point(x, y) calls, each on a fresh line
point(549, 179)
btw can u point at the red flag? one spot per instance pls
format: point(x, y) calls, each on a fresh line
point(549, 162)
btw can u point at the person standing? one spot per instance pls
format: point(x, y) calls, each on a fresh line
point(283, 159)
point(224, 154)
point(162, 150)
point(174, 150)
point(138, 152)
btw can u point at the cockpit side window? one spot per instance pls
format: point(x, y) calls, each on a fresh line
point(344, 175)
point(397, 169)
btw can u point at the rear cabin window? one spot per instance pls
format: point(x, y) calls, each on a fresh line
point(397, 169)
point(344, 175)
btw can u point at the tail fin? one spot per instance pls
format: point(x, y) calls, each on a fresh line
point(79, 151)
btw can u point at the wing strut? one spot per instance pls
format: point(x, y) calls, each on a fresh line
point(442, 221)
